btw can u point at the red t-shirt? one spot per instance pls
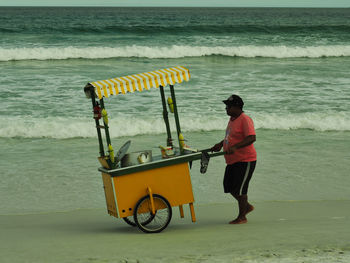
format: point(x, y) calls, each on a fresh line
point(237, 129)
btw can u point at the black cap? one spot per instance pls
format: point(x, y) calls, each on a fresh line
point(234, 100)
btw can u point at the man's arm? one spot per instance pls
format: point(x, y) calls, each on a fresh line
point(245, 142)
point(217, 147)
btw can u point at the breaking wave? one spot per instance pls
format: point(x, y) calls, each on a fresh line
point(63, 128)
point(173, 29)
point(175, 51)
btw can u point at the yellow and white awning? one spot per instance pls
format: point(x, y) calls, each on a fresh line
point(140, 82)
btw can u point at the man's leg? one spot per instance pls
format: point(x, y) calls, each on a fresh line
point(244, 208)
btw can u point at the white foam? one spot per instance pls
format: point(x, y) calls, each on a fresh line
point(61, 128)
point(175, 51)
point(321, 121)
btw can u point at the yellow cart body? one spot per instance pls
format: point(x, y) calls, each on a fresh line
point(123, 192)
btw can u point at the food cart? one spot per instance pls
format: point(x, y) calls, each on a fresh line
point(144, 190)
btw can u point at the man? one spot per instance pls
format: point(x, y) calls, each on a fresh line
point(240, 155)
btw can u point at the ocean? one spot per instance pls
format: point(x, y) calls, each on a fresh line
point(290, 66)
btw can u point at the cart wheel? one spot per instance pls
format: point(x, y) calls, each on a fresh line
point(160, 219)
point(130, 219)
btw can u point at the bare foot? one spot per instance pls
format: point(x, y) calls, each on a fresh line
point(249, 209)
point(238, 221)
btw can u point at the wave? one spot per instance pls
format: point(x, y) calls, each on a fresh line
point(64, 128)
point(59, 53)
point(181, 29)
point(325, 121)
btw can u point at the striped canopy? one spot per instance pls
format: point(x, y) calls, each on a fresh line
point(139, 82)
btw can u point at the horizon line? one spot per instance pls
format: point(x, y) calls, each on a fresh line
point(172, 6)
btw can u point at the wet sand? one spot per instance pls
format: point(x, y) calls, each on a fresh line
point(275, 231)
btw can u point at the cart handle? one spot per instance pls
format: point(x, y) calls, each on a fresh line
point(212, 154)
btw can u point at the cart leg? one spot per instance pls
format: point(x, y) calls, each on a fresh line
point(192, 213)
point(151, 198)
point(181, 211)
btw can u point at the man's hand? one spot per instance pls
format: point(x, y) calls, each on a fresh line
point(217, 147)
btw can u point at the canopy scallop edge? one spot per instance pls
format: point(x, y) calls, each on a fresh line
point(138, 82)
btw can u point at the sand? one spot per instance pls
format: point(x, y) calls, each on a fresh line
point(292, 231)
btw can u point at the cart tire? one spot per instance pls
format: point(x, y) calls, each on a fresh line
point(160, 220)
point(130, 220)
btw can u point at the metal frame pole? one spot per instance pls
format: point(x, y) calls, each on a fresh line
point(97, 122)
point(108, 138)
point(165, 117)
point(176, 115)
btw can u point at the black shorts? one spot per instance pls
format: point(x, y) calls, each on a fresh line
point(237, 177)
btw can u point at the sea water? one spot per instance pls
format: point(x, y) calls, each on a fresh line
point(290, 66)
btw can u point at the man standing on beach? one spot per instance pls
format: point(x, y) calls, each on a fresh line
point(240, 155)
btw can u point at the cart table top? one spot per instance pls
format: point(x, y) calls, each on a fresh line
point(156, 164)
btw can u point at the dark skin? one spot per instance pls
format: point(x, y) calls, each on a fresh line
point(244, 206)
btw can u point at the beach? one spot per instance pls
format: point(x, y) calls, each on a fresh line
point(294, 231)
point(289, 65)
